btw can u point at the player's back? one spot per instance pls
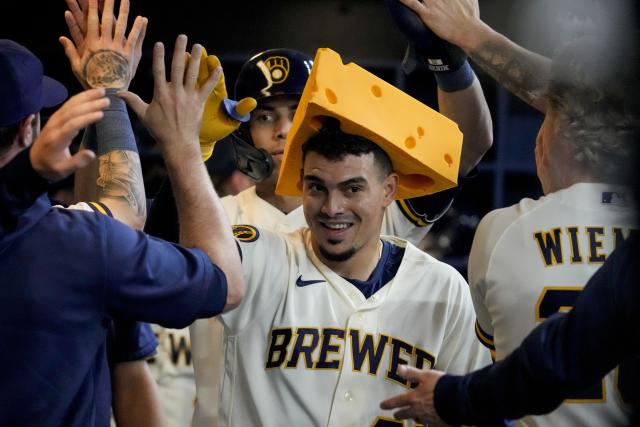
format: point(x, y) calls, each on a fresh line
point(531, 260)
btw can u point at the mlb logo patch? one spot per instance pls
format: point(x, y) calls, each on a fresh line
point(614, 198)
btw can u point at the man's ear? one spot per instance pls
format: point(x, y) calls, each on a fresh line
point(26, 131)
point(390, 188)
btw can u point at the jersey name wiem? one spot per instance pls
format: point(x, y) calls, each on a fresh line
point(581, 244)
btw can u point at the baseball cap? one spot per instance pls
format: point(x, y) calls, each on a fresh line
point(24, 89)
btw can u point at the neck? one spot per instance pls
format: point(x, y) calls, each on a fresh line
point(569, 174)
point(266, 190)
point(359, 266)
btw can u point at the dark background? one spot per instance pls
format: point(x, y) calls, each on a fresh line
point(361, 31)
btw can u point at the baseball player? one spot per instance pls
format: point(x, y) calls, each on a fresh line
point(305, 333)
point(531, 260)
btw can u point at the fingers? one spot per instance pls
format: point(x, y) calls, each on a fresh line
point(211, 82)
point(203, 70)
point(399, 401)
point(121, 22)
point(78, 161)
point(86, 102)
point(138, 46)
point(410, 373)
point(157, 69)
point(77, 33)
point(77, 14)
point(86, 96)
point(135, 32)
point(70, 50)
point(177, 63)
point(220, 88)
point(72, 127)
point(191, 75)
point(106, 28)
point(134, 102)
point(405, 414)
point(93, 23)
point(245, 106)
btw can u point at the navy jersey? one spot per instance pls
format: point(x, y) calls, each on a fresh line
point(64, 276)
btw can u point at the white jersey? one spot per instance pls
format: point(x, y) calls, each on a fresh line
point(306, 348)
point(173, 370)
point(530, 261)
point(249, 208)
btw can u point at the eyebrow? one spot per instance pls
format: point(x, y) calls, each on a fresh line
point(350, 181)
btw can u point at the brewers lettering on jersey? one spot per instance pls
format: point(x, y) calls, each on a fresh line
point(307, 345)
point(559, 240)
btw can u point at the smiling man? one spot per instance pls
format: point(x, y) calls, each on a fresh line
point(332, 310)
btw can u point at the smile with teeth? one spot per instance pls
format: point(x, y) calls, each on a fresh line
point(336, 226)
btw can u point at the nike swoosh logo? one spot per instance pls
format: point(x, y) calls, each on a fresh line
point(302, 283)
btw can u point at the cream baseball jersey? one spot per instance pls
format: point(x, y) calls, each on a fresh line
point(305, 347)
point(530, 261)
point(248, 208)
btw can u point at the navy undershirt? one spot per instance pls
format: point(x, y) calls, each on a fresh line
point(386, 270)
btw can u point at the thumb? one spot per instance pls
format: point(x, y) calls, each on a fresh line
point(68, 166)
point(410, 373)
point(81, 159)
point(245, 106)
point(134, 102)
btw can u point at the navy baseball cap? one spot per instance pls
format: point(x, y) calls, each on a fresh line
point(24, 89)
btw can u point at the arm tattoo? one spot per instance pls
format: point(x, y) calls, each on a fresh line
point(520, 73)
point(120, 177)
point(106, 68)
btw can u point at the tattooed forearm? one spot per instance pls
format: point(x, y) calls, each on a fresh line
point(523, 73)
point(106, 68)
point(120, 177)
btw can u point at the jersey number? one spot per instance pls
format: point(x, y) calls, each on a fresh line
point(561, 299)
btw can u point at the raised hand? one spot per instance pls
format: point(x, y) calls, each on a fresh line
point(452, 20)
point(174, 115)
point(100, 54)
point(50, 155)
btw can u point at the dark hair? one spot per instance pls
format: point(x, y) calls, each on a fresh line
point(591, 91)
point(334, 144)
point(7, 135)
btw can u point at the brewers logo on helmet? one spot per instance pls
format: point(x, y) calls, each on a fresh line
point(273, 72)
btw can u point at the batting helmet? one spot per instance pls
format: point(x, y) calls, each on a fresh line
point(274, 72)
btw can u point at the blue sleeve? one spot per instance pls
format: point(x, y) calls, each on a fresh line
point(563, 355)
point(154, 281)
point(131, 340)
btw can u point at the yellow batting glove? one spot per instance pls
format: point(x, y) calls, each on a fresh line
point(221, 115)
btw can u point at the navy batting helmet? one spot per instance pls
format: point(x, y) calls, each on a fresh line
point(274, 72)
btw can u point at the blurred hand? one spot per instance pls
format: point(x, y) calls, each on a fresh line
point(174, 115)
point(418, 403)
point(50, 155)
point(99, 54)
point(452, 20)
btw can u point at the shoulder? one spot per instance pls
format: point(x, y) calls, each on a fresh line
point(497, 222)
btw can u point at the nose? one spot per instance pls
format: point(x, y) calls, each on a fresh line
point(282, 128)
point(333, 204)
